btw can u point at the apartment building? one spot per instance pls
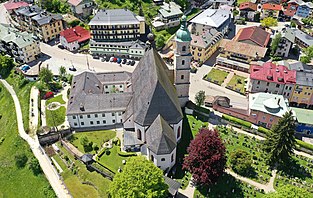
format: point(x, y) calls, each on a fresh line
point(81, 8)
point(238, 55)
point(47, 26)
point(168, 16)
point(304, 9)
point(302, 95)
point(117, 32)
point(286, 42)
point(272, 78)
point(302, 39)
point(19, 45)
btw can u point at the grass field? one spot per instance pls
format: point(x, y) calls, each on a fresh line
point(84, 183)
point(193, 12)
point(56, 117)
point(23, 94)
point(216, 76)
point(58, 159)
point(98, 137)
point(242, 1)
point(237, 83)
point(16, 182)
point(58, 99)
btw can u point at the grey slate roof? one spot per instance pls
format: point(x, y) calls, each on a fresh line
point(29, 11)
point(160, 137)
point(304, 37)
point(173, 185)
point(114, 17)
point(46, 18)
point(87, 90)
point(304, 78)
point(289, 35)
point(154, 93)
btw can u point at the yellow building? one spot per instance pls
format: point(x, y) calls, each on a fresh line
point(302, 95)
point(203, 46)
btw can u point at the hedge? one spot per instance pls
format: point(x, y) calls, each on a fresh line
point(264, 130)
point(202, 109)
point(305, 145)
point(124, 154)
point(237, 120)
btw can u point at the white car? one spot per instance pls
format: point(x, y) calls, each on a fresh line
point(111, 59)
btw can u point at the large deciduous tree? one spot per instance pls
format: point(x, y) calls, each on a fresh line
point(45, 75)
point(139, 178)
point(280, 140)
point(241, 162)
point(200, 97)
point(6, 64)
point(206, 158)
point(288, 191)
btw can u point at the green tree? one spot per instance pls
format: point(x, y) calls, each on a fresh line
point(62, 72)
point(35, 166)
point(305, 59)
point(6, 65)
point(280, 140)
point(160, 41)
point(139, 178)
point(95, 147)
point(293, 24)
point(275, 43)
point(200, 97)
point(21, 160)
point(240, 161)
point(289, 191)
point(45, 75)
point(269, 22)
point(84, 141)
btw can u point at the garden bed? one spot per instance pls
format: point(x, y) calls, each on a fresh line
point(216, 76)
point(237, 84)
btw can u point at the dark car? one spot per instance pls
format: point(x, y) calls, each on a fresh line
point(72, 69)
point(124, 61)
point(119, 60)
point(132, 63)
point(107, 59)
point(128, 62)
point(96, 57)
point(61, 47)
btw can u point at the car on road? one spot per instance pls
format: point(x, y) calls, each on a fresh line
point(112, 59)
point(119, 60)
point(102, 59)
point(132, 63)
point(61, 47)
point(72, 69)
point(124, 61)
point(96, 57)
point(128, 62)
point(107, 59)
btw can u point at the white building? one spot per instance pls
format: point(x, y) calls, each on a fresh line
point(81, 8)
point(168, 16)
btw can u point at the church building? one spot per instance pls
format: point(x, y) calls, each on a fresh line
point(147, 103)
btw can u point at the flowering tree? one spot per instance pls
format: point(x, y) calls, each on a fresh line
point(206, 160)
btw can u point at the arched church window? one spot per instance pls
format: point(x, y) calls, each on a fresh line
point(138, 134)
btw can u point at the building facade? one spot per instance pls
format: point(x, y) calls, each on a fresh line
point(286, 42)
point(117, 32)
point(168, 16)
point(305, 9)
point(271, 10)
point(302, 95)
point(19, 45)
point(272, 78)
point(73, 38)
point(302, 39)
point(81, 8)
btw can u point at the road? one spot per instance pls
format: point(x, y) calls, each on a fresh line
point(43, 159)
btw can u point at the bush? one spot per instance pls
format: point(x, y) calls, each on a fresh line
point(116, 141)
point(35, 166)
point(21, 160)
point(277, 58)
point(237, 120)
point(123, 154)
point(193, 70)
point(263, 130)
point(23, 82)
point(241, 162)
point(305, 145)
point(2, 140)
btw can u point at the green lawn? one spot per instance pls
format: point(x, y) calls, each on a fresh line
point(58, 159)
point(216, 76)
point(242, 1)
point(113, 161)
point(237, 83)
point(76, 183)
point(98, 137)
point(193, 12)
point(58, 99)
point(16, 182)
point(23, 94)
point(56, 117)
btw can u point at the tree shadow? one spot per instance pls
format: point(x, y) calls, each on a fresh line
point(88, 147)
point(294, 169)
point(226, 186)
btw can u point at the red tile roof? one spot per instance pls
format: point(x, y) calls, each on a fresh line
point(271, 72)
point(248, 5)
point(15, 5)
point(74, 2)
point(256, 34)
point(270, 6)
point(75, 34)
point(290, 13)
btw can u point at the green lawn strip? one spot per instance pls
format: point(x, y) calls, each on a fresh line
point(58, 99)
point(16, 182)
point(228, 186)
point(242, 1)
point(216, 76)
point(193, 12)
point(166, 33)
point(23, 94)
point(237, 83)
point(97, 185)
point(55, 117)
point(58, 159)
point(113, 161)
point(98, 137)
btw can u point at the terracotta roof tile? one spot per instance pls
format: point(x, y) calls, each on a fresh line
point(256, 34)
point(270, 6)
point(75, 34)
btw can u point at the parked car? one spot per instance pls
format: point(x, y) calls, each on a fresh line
point(25, 68)
point(132, 63)
point(124, 61)
point(102, 59)
point(119, 60)
point(48, 95)
point(107, 59)
point(61, 47)
point(112, 59)
point(72, 69)
point(128, 62)
point(96, 57)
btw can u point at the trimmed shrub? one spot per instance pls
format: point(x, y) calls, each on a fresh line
point(241, 162)
point(123, 154)
point(263, 130)
point(305, 145)
point(237, 120)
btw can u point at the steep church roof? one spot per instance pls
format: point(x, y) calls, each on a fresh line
point(153, 92)
point(160, 137)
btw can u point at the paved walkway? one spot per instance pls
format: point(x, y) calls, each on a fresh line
point(44, 160)
point(228, 78)
point(189, 191)
point(34, 111)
